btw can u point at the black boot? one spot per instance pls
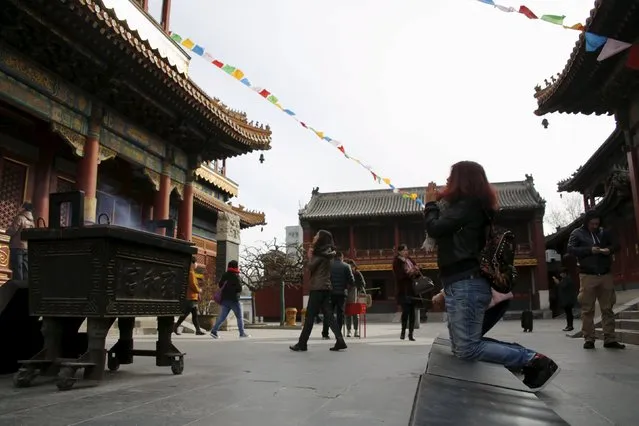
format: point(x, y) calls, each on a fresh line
point(410, 336)
point(339, 345)
point(403, 335)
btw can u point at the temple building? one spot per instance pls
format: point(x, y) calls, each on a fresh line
point(609, 180)
point(369, 225)
point(95, 96)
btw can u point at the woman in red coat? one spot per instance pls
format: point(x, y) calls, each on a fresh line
point(406, 273)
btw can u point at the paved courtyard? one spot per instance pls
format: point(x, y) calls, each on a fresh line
point(260, 382)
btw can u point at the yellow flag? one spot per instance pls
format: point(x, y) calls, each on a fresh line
point(238, 74)
point(320, 134)
point(413, 196)
point(386, 181)
point(188, 44)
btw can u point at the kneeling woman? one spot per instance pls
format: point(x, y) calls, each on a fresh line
point(320, 257)
point(459, 224)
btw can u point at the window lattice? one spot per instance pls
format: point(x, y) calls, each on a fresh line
point(12, 183)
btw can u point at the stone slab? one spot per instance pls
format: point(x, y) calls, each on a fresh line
point(440, 400)
point(443, 363)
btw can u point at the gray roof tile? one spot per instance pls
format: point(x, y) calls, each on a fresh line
point(516, 195)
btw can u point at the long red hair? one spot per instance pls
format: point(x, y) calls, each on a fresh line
point(468, 180)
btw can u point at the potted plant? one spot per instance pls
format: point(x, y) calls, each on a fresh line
point(207, 308)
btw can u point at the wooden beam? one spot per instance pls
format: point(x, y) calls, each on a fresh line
point(166, 14)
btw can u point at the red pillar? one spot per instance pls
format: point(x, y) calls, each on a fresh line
point(185, 215)
point(162, 199)
point(541, 270)
point(351, 239)
point(43, 173)
point(166, 15)
point(87, 179)
point(633, 172)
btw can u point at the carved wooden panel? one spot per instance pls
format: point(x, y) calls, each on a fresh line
point(13, 178)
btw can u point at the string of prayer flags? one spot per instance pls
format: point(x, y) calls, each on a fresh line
point(594, 42)
point(239, 75)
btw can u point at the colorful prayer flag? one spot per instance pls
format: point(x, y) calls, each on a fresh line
point(272, 99)
point(198, 50)
point(238, 74)
point(554, 19)
point(264, 93)
point(578, 27)
point(594, 42)
point(245, 81)
point(611, 48)
point(228, 69)
point(176, 38)
point(633, 57)
point(188, 43)
point(527, 12)
point(490, 2)
point(217, 63)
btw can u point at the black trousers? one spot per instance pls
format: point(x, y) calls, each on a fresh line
point(338, 304)
point(192, 310)
point(569, 315)
point(408, 317)
point(319, 301)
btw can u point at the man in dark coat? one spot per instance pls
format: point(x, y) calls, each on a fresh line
point(593, 247)
point(341, 279)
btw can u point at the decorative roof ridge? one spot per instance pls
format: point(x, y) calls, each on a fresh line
point(230, 117)
point(610, 140)
point(218, 180)
point(418, 189)
point(551, 88)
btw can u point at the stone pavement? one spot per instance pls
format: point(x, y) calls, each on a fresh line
point(258, 381)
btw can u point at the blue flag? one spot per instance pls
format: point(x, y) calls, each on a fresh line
point(594, 42)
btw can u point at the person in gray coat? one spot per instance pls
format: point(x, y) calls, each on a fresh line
point(319, 265)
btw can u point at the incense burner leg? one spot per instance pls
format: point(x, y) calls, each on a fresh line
point(122, 351)
point(97, 329)
point(166, 353)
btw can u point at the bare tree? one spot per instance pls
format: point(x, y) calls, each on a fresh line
point(270, 263)
point(564, 212)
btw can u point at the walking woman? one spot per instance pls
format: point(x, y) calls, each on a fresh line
point(319, 265)
point(459, 219)
point(406, 273)
point(192, 297)
point(354, 290)
point(231, 287)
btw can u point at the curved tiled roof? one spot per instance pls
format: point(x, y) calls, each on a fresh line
point(233, 123)
point(584, 176)
point(518, 195)
point(581, 87)
point(248, 218)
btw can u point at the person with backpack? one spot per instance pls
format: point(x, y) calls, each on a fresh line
point(459, 220)
point(228, 297)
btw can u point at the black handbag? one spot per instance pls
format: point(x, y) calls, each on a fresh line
point(423, 285)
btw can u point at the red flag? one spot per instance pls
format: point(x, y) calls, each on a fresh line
point(341, 148)
point(525, 11)
point(633, 57)
point(265, 93)
point(303, 124)
point(217, 63)
point(374, 175)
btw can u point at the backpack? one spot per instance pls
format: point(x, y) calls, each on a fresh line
point(497, 259)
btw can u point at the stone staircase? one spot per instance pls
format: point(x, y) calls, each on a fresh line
point(626, 326)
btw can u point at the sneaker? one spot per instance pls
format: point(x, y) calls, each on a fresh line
point(176, 331)
point(244, 336)
point(326, 338)
point(589, 345)
point(348, 334)
point(568, 329)
point(356, 335)
point(298, 348)
point(614, 345)
point(539, 372)
point(200, 333)
point(214, 335)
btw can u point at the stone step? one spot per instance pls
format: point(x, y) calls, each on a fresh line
point(630, 337)
point(627, 324)
point(629, 315)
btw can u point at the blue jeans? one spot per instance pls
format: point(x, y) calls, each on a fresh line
point(466, 304)
point(19, 264)
point(227, 307)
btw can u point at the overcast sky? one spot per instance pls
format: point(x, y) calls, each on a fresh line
point(409, 86)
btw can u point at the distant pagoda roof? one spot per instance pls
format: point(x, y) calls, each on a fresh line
point(607, 153)
point(517, 195)
point(587, 86)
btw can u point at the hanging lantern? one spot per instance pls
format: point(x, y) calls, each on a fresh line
point(544, 123)
point(261, 158)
